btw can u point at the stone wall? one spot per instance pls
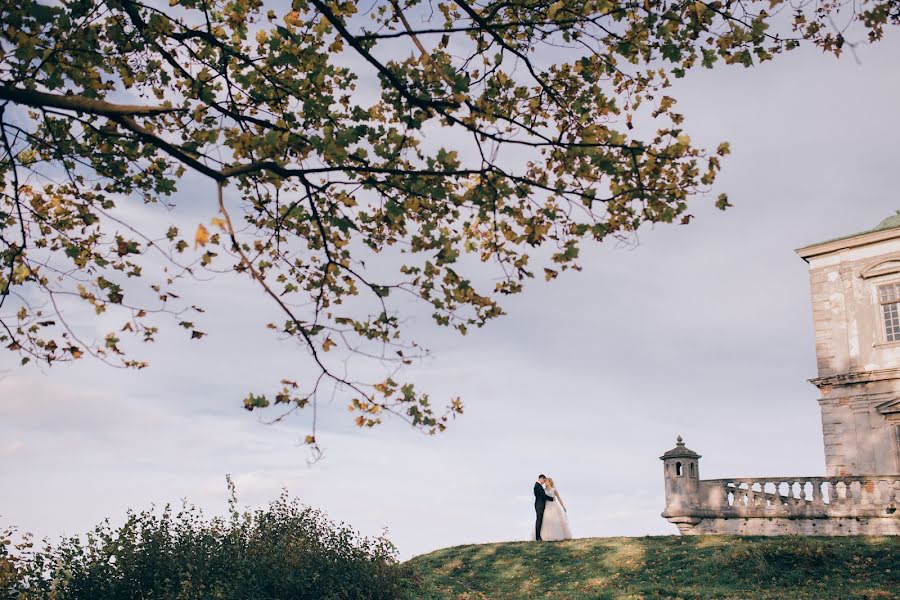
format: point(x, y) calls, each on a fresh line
point(801, 526)
point(859, 438)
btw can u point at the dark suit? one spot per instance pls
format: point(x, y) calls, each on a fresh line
point(540, 499)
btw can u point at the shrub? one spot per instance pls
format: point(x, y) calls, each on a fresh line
point(284, 551)
point(10, 564)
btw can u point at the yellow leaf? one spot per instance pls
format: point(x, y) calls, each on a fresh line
point(292, 18)
point(201, 237)
point(555, 8)
point(261, 36)
point(21, 273)
point(328, 344)
point(591, 134)
point(700, 9)
point(310, 439)
point(218, 222)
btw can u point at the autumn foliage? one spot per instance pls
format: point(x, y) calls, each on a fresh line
point(351, 157)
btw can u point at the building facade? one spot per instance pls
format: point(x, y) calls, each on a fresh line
point(855, 285)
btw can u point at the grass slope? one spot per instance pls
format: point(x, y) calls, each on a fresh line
point(707, 567)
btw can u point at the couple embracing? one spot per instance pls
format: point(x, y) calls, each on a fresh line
point(552, 523)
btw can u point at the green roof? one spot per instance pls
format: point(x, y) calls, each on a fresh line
point(890, 222)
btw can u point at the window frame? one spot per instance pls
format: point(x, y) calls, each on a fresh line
point(883, 318)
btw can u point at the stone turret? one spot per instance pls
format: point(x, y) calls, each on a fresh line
point(681, 471)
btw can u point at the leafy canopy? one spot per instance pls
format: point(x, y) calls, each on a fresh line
point(454, 139)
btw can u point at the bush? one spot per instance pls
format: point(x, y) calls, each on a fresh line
point(284, 551)
point(11, 572)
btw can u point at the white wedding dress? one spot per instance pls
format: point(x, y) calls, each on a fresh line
point(556, 523)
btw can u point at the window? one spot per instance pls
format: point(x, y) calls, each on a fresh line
point(889, 297)
point(678, 469)
point(897, 431)
point(897, 447)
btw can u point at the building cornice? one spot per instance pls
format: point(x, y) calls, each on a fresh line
point(856, 377)
point(891, 407)
point(853, 241)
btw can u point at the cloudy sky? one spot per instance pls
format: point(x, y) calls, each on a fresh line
point(703, 331)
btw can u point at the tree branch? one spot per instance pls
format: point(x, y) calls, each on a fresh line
point(77, 103)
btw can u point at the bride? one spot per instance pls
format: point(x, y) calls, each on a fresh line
point(556, 522)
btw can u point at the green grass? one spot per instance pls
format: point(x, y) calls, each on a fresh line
point(707, 567)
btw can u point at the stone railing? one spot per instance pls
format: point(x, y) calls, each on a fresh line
point(843, 505)
point(800, 497)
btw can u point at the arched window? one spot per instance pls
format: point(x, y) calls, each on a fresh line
point(692, 469)
point(679, 470)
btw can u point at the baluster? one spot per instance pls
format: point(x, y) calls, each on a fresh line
point(832, 493)
point(802, 485)
point(817, 493)
point(878, 492)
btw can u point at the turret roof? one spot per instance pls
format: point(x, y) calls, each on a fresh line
point(679, 451)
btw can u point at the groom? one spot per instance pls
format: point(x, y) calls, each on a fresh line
point(540, 500)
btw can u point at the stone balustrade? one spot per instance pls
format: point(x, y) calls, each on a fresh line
point(793, 497)
point(843, 505)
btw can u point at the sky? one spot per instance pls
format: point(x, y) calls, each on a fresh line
point(702, 330)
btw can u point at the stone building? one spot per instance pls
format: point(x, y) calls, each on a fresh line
point(855, 285)
point(856, 310)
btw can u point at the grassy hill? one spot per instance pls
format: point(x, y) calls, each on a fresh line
point(707, 567)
